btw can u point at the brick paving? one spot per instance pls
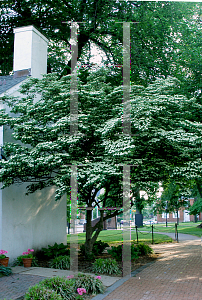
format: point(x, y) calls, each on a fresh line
point(15, 286)
point(177, 275)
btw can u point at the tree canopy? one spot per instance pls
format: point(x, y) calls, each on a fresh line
point(165, 36)
point(166, 134)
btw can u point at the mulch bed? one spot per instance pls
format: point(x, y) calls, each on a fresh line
point(85, 266)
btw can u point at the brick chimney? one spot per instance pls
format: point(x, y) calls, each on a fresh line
point(30, 52)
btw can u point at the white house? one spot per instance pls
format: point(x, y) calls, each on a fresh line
point(37, 220)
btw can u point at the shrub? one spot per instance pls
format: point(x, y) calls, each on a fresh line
point(134, 253)
point(98, 248)
point(5, 270)
point(56, 250)
point(57, 288)
point(116, 252)
point(143, 249)
point(19, 262)
point(40, 292)
point(61, 262)
point(107, 266)
point(91, 284)
point(62, 286)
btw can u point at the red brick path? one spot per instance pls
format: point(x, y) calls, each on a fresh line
point(177, 275)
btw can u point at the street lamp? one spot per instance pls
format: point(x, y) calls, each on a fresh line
point(166, 213)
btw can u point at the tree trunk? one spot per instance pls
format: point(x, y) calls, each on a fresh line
point(177, 218)
point(88, 243)
point(91, 234)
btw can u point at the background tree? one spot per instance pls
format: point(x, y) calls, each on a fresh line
point(173, 197)
point(165, 41)
point(196, 192)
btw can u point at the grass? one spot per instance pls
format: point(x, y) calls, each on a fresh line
point(113, 237)
point(187, 228)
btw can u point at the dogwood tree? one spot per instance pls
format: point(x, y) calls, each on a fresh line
point(164, 136)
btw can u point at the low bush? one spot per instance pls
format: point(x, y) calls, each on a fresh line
point(143, 249)
point(107, 266)
point(38, 291)
point(136, 250)
point(91, 284)
point(98, 248)
point(62, 286)
point(116, 252)
point(134, 253)
point(58, 288)
point(5, 270)
point(61, 262)
point(56, 250)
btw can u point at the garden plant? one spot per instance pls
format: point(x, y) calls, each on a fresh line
point(70, 288)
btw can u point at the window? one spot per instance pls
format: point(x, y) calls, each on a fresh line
point(164, 215)
point(175, 215)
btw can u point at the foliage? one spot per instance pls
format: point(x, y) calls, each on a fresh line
point(174, 196)
point(41, 292)
point(196, 208)
point(106, 266)
point(143, 249)
point(28, 253)
point(19, 261)
point(116, 252)
point(60, 285)
point(165, 41)
point(98, 248)
point(2, 254)
point(91, 284)
point(166, 130)
point(56, 250)
point(5, 270)
point(61, 262)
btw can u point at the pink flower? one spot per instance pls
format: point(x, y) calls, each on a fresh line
point(98, 277)
point(30, 250)
point(70, 276)
point(81, 291)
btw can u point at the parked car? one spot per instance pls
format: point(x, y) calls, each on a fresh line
point(82, 221)
point(124, 222)
point(150, 222)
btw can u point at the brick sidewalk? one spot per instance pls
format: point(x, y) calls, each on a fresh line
point(176, 275)
point(15, 286)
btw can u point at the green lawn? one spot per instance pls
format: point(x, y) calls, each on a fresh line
point(188, 228)
point(115, 237)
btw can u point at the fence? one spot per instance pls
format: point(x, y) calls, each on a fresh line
point(152, 231)
point(145, 233)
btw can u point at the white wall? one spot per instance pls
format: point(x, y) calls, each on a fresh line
point(30, 51)
point(33, 221)
point(37, 220)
